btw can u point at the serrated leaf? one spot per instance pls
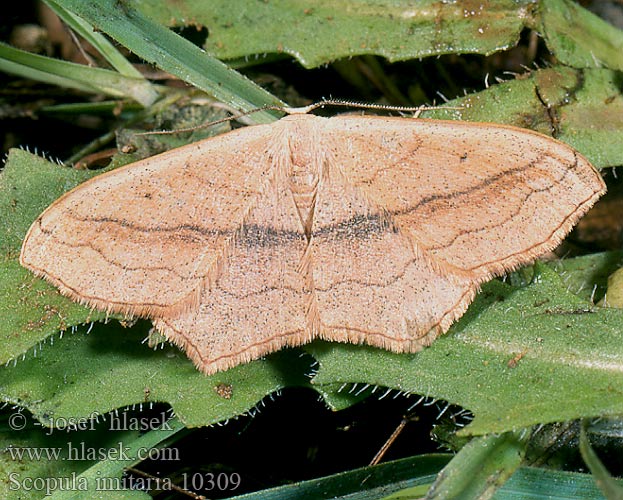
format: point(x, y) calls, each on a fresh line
point(320, 31)
point(111, 362)
point(583, 108)
point(520, 356)
point(114, 363)
point(396, 30)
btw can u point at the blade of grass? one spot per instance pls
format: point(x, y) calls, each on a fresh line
point(98, 41)
point(481, 467)
point(78, 76)
point(605, 482)
point(162, 47)
point(114, 467)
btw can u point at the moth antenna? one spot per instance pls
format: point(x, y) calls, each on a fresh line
point(300, 110)
point(268, 107)
point(356, 104)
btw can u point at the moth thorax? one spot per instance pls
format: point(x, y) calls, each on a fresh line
point(303, 183)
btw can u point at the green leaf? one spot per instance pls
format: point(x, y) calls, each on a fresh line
point(614, 295)
point(520, 356)
point(583, 108)
point(578, 37)
point(115, 363)
point(322, 31)
point(28, 184)
point(587, 276)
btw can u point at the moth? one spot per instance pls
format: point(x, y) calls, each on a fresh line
point(362, 229)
